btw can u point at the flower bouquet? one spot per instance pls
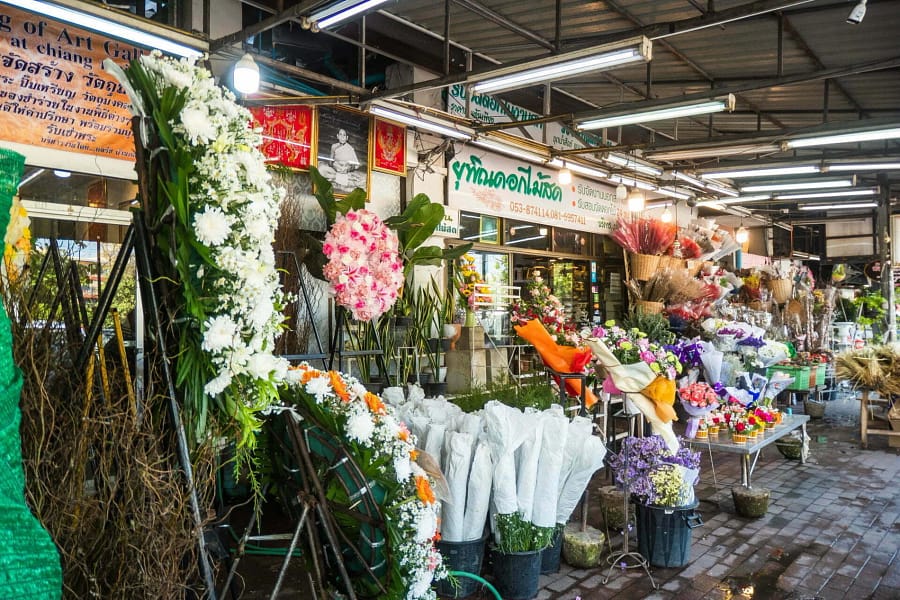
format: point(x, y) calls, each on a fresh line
point(653, 474)
point(471, 286)
point(645, 240)
point(698, 399)
point(538, 303)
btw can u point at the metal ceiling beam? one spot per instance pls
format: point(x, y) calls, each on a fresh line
point(498, 19)
point(800, 41)
point(266, 24)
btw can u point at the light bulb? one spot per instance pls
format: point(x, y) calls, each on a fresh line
point(246, 75)
point(742, 235)
point(62, 174)
point(666, 216)
point(564, 176)
point(636, 200)
point(621, 192)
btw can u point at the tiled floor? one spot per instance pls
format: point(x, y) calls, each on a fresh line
point(832, 530)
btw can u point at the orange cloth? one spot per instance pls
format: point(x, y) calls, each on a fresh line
point(565, 359)
point(661, 392)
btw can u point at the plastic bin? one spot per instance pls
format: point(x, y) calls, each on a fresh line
point(664, 533)
point(800, 374)
point(461, 556)
point(516, 575)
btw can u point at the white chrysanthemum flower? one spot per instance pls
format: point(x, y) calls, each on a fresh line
point(261, 365)
point(360, 427)
point(218, 384)
point(220, 333)
point(211, 226)
point(318, 387)
point(426, 525)
point(402, 468)
point(197, 125)
point(293, 376)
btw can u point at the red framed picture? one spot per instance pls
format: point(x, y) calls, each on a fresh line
point(288, 134)
point(389, 148)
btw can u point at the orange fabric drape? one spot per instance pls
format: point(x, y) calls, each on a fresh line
point(662, 392)
point(565, 359)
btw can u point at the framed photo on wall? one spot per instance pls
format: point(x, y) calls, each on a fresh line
point(343, 149)
point(389, 150)
point(289, 134)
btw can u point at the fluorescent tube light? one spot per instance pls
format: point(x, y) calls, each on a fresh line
point(784, 226)
point(773, 171)
point(510, 150)
point(835, 194)
point(844, 138)
point(670, 112)
point(722, 189)
point(638, 183)
point(883, 166)
point(736, 210)
point(105, 26)
point(803, 185)
point(688, 179)
point(805, 255)
point(579, 168)
point(447, 128)
point(562, 66)
point(341, 11)
point(738, 200)
point(672, 193)
point(702, 152)
point(633, 164)
point(838, 206)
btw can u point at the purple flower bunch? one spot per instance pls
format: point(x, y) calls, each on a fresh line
point(752, 341)
point(639, 457)
point(738, 333)
point(687, 352)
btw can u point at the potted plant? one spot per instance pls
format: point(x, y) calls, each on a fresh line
point(517, 555)
point(661, 485)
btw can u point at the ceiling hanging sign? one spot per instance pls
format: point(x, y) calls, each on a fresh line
point(496, 185)
point(489, 110)
point(55, 95)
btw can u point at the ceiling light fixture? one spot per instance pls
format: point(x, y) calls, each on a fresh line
point(838, 206)
point(579, 168)
point(834, 194)
point(805, 255)
point(638, 183)
point(800, 185)
point(29, 178)
point(621, 192)
point(857, 14)
point(741, 235)
point(673, 193)
point(874, 166)
point(873, 135)
point(341, 11)
point(635, 200)
point(739, 200)
point(723, 189)
point(632, 164)
point(420, 121)
point(666, 216)
point(673, 111)
point(84, 18)
point(704, 151)
point(62, 174)
point(510, 150)
point(763, 172)
point(246, 75)
point(562, 66)
point(564, 175)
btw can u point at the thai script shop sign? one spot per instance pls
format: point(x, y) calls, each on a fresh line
point(503, 187)
point(54, 92)
point(488, 109)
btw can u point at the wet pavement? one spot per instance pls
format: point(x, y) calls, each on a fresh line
point(832, 530)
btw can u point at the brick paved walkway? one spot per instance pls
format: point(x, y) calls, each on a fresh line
point(832, 530)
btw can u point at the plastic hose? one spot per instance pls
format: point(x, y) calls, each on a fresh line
point(480, 580)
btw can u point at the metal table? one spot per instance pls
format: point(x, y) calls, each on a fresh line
point(787, 425)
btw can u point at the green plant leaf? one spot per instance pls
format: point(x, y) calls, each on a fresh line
point(324, 193)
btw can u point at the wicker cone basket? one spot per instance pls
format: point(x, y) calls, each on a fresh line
point(781, 290)
point(649, 308)
point(694, 266)
point(643, 266)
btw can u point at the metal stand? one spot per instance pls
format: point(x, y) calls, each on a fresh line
point(626, 558)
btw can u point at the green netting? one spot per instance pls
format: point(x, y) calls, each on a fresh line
point(29, 562)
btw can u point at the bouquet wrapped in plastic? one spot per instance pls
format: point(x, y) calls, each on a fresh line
point(698, 399)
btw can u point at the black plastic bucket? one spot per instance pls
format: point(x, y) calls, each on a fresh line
point(551, 554)
point(461, 556)
point(664, 533)
point(516, 574)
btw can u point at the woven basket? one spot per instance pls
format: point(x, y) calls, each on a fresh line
point(739, 438)
point(643, 266)
point(789, 448)
point(693, 267)
point(781, 290)
point(815, 410)
point(649, 308)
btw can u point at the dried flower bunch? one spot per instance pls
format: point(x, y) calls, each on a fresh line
point(873, 367)
point(644, 236)
point(672, 286)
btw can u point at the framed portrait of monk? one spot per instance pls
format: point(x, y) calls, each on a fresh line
point(343, 151)
point(389, 148)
